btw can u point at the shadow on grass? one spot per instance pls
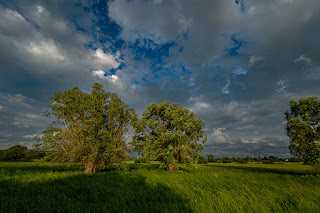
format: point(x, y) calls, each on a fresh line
point(265, 170)
point(138, 166)
point(156, 166)
point(101, 192)
point(40, 168)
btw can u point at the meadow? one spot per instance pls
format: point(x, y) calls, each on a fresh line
point(213, 187)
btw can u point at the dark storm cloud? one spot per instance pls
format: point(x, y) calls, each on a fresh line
point(236, 64)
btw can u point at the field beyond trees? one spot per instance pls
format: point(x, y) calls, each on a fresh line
point(213, 187)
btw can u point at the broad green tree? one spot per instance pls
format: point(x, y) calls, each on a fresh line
point(88, 128)
point(171, 134)
point(303, 128)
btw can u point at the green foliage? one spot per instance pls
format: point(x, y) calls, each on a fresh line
point(211, 158)
point(141, 160)
point(303, 128)
point(20, 153)
point(295, 159)
point(226, 160)
point(268, 162)
point(239, 160)
point(171, 134)
point(202, 160)
point(88, 128)
point(274, 159)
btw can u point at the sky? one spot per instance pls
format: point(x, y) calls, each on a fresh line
point(235, 63)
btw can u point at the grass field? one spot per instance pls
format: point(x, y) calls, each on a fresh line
point(213, 187)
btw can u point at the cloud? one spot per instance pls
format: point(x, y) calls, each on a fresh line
point(113, 79)
point(33, 116)
point(313, 73)
point(103, 60)
point(46, 50)
point(225, 89)
point(23, 115)
point(11, 22)
point(303, 60)
point(32, 136)
point(140, 22)
point(20, 124)
point(223, 145)
point(217, 136)
point(254, 60)
point(198, 105)
point(15, 98)
point(238, 70)
point(99, 73)
point(281, 86)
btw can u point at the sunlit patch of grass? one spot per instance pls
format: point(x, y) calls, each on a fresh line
point(214, 187)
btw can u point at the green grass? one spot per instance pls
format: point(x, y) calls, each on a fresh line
point(214, 187)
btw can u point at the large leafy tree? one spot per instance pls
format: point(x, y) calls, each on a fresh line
point(88, 128)
point(170, 133)
point(303, 128)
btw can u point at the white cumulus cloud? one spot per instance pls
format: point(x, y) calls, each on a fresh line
point(102, 60)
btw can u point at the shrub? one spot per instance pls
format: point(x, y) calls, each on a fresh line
point(226, 160)
point(141, 160)
point(202, 160)
point(268, 162)
point(242, 161)
point(295, 159)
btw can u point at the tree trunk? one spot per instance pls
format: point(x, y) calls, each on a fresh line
point(91, 167)
point(173, 167)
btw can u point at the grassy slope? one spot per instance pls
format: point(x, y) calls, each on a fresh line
point(289, 187)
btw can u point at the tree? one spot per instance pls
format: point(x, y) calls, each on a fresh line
point(19, 153)
point(274, 158)
point(15, 153)
point(211, 158)
point(202, 160)
point(303, 128)
point(88, 128)
point(171, 134)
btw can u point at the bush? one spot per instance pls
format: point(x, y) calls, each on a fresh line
point(242, 161)
point(226, 160)
point(274, 158)
point(294, 159)
point(268, 162)
point(202, 160)
point(141, 160)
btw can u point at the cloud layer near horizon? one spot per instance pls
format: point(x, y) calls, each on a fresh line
point(236, 64)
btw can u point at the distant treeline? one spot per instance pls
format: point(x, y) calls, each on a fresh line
point(265, 159)
point(210, 158)
point(20, 153)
